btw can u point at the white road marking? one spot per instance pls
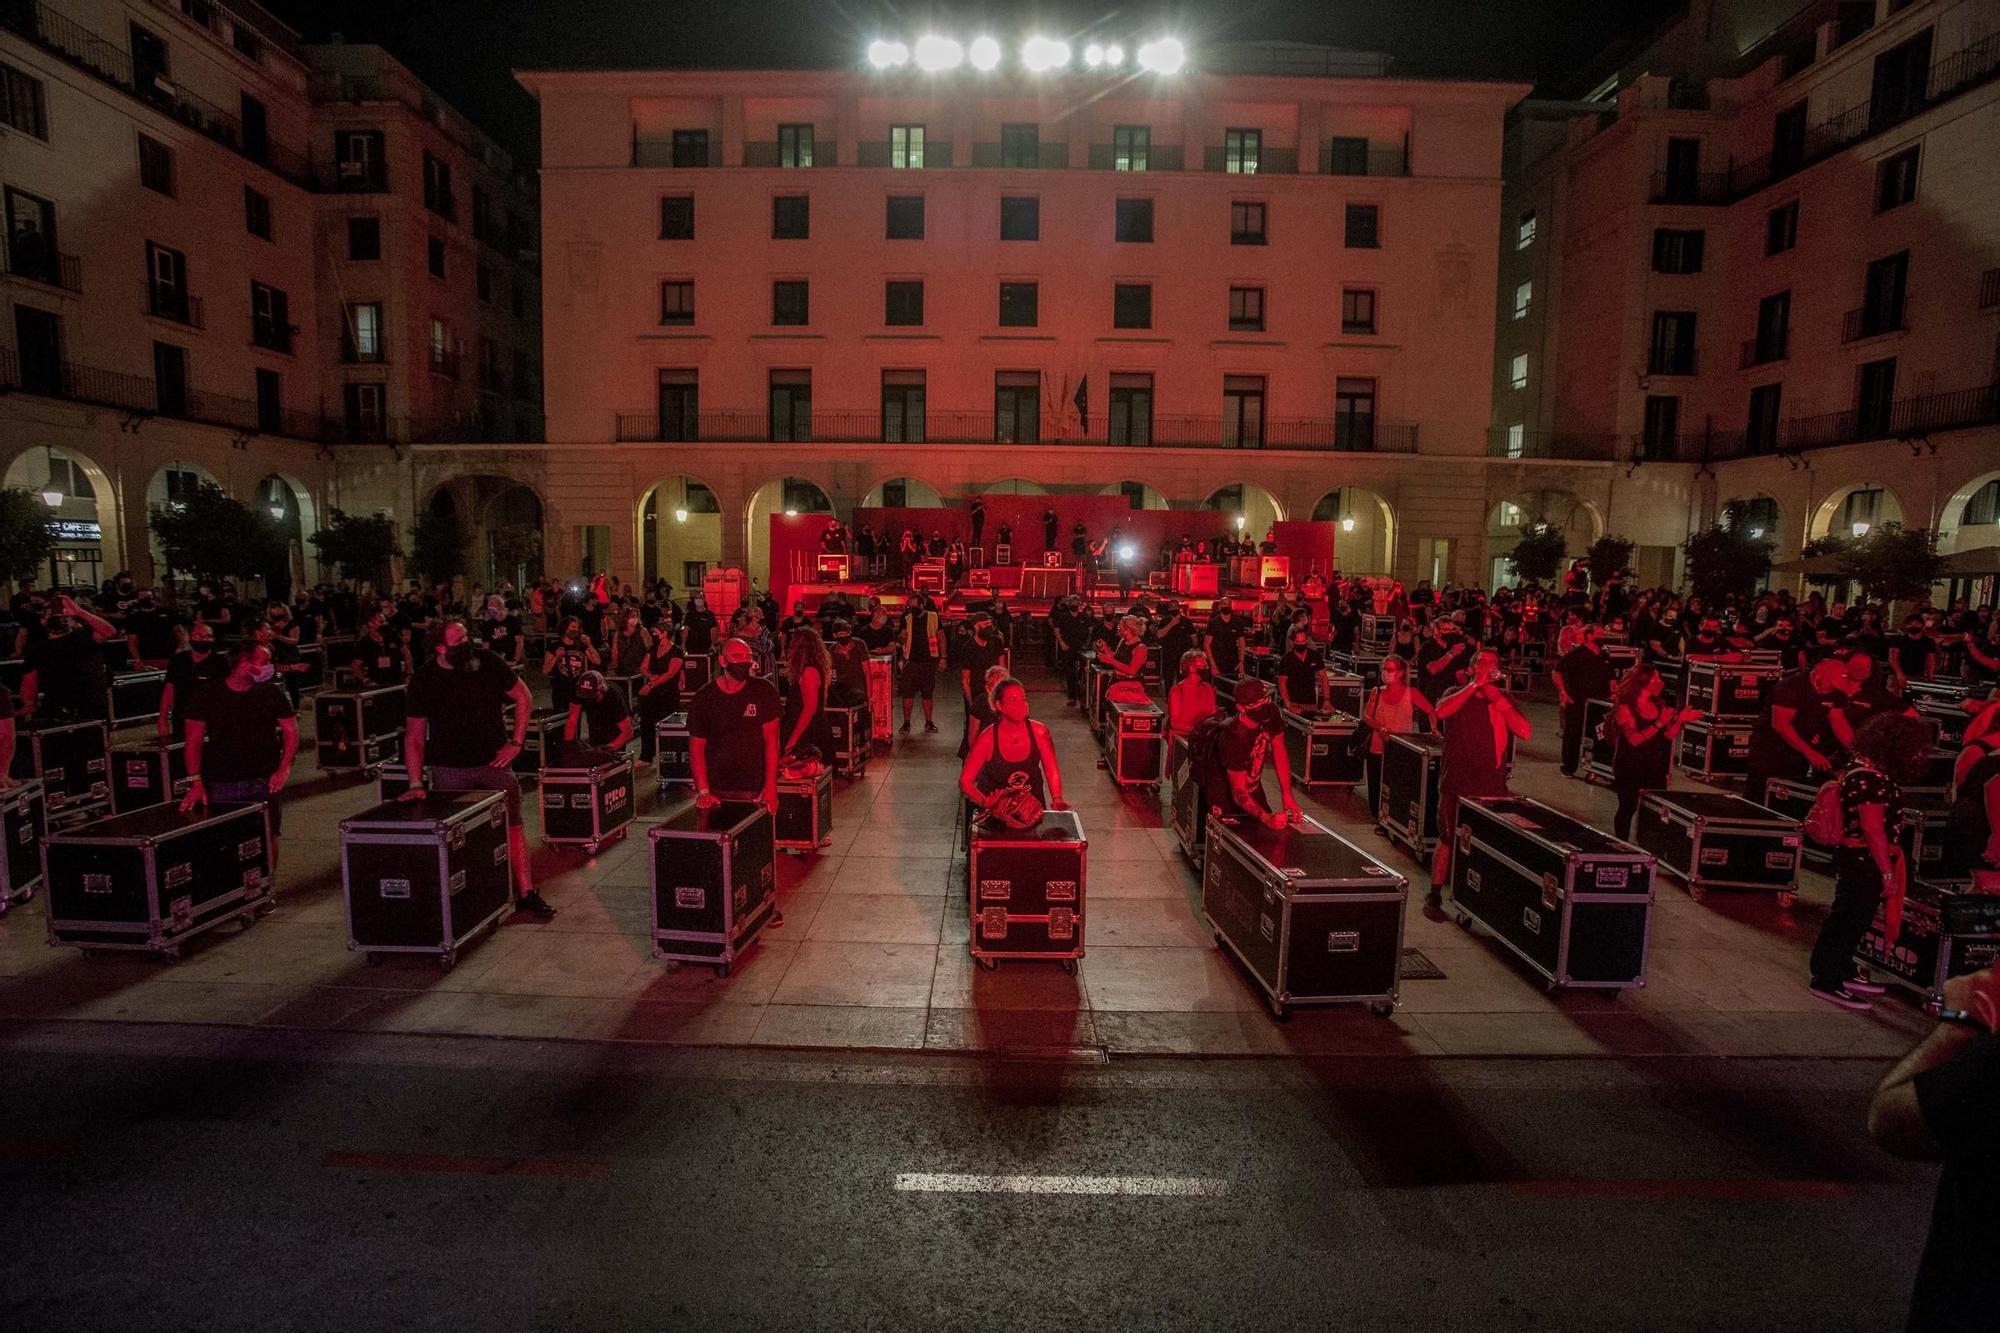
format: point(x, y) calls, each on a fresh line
point(924, 1182)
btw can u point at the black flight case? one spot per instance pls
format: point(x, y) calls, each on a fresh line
point(1411, 769)
point(358, 729)
point(849, 745)
point(73, 761)
point(21, 828)
point(148, 772)
point(426, 876)
point(671, 739)
point(135, 697)
point(393, 779)
point(1942, 702)
point(544, 738)
point(1715, 750)
point(1712, 840)
point(1344, 691)
point(1728, 689)
point(712, 881)
point(1027, 890)
point(1594, 758)
point(1574, 903)
point(1190, 803)
point(151, 879)
point(586, 797)
point(805, 812)
point(1314, 919)
point(1947, 930)
point(1321, 749)
point(1134, 735)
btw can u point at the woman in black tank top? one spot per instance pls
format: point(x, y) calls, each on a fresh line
point(1015, 752)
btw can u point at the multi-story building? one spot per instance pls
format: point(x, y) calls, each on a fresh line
point(174, 297)
point(810, 290)
point(1773, 270)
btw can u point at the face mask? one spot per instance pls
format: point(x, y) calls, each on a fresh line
point(737, 670)
point(1265, 715)
point(459, 654)
point(201, 647)
point(60, 625)
point(262, 675)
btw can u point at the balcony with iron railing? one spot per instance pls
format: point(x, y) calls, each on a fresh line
point(1673, 361)
point(140, 395)
point(1874, 321)
point(38, 263)
point(1764, 351)
point(173, 303)
point(1374, 162)
point(1962, 409)
point(444, 361)
point(359, 178)
point(272, 335)
point(1690, 187)
point(1351, 434)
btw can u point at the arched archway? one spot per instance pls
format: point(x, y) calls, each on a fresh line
point(793, 498)
point(290, 508)
point(903, 493)
point(1971, 517)
point(1010, 486)
point(1519, 514)
point(504, 523)
point(1137, 494)
point(1761, 515)
point(1850, 511)
point(680, 531)
point(1250, 509)
point(1364, 539)
point(170, 486)
point(85, 513)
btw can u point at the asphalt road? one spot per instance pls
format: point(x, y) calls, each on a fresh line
point(189, 1178)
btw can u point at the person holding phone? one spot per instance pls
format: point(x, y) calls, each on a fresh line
point(1477, 717)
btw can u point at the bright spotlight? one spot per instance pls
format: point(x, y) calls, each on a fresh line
point(1093, 55)
point(1044, 53)
point(791, 513)
point(1165, 56)
point(680, 515)
point(938, 53)
point(1127, 551)
point(1114, 56)
point(887, 55)
point(984, 53)
point(1241, 522)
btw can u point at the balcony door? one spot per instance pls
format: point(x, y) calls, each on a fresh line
point(38, 338)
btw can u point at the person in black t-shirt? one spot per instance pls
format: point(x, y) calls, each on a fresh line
point(381, 656)
point(1940, 1104)
point(501, 632)
point(457, 718)
point(1253, 739)
point(1442, 659)
point(242, 735)
point(151, 632)
point(733, 734)
point(1298, 673)
point(1795, 734)
point(64, 677)
point(665, 670)
point(7, 739)
point(187, 671)
point(603, 709)
point(1224, 641)
point(1913, 654)
point(1581, 674)
point(567, 659)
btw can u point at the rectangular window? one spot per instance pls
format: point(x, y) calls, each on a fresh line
point(270, 401)
point(361, 340)
point(1517, 377)
point(1884, 288)
point(1682, 179)
point(1875, 397)
point(906, 217)
point(906, 146)
point(795, 145)
point(256, 120)
point(1241, 150)
point(1131, 148)
point(360, 163)
point(270, 318)
point(1133, 219)
point(690, 148)
point(1354, 414)
point(1781, 228)
point(1357, 310)
point(1677, 251)
point(791, 405)
point(790, 302)
point(1131, 414)
point(1243, 411)
point(156, 165)
point(1774, 328)
point(791, 217)
point(167, 284)
point(1524, 231)
point(1020, 146)
point(443, 349)
point(149, 65)
point(902, 407)
point(1524, 299)
point(438, 197)
point(677, 217)
point(677, 301)
point(1018, 305)
point(23, 106)
point(32, 249)
point(1246, 309)
point(1660, 438)
point(1347, 157)
point(1020, 218)
point(1364, 227)
point(1901, 82)
point(903, 303)
point(1673, 343)
point(1017, 411)
point(364, 239)
point(170, 379)
point(364, 407)
point(434, 256)
point(256, 213)
point(1896, 180)
point(1788, 140)
point(1132, 305)
point(1517, 439)
point(1246, 222)
point(680, 405)
point(1760, 435)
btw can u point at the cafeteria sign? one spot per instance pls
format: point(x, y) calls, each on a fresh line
point(75, 530)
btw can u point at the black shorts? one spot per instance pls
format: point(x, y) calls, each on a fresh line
point(919, 677)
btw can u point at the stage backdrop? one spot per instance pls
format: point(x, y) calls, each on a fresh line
point(795, 542)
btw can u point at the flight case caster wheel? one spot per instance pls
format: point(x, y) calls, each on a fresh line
point(371, 959)
point(1464, 921)
point(1069, 966)
point(989, 963)
point(670, 965)
point(446, 962)
point(1281, 1012)
point(1381, 1008)
point(722, 971)
point(1786, 899)
point(1696, 892)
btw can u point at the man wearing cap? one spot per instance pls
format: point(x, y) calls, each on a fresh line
point(603, 710)
point(1255, 735)
point(457, 718)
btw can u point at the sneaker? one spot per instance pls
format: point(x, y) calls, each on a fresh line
point(1839, 995)
point(534, 904)
point(903, 730)
point(1863, 985)
point(1433, 907)
point(777, 916)
point(930, 729)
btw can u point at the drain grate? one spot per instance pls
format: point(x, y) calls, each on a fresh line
point(1417, 967)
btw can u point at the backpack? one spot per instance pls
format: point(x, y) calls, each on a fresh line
point(1205, 768)
point(1826, 821)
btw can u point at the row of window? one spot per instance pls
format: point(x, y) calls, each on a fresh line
point(1020, 220)
point(1017, 408)
point(1019, 307)
point(1884, 292)
point(168, 297)
point(360, 164)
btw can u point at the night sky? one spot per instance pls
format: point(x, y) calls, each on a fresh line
point(466, 48)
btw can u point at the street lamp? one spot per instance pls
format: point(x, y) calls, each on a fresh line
point(1347, 524)
point(1241, 522)
point(277, 511)
point(52, 493)
point(1861, 529)
point(680, 515)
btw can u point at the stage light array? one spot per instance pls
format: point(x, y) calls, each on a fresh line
point(935, 53)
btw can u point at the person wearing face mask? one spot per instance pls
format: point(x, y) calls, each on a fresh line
point(566, 661)
point(877, 633)
point(457, 721)
point(1192, 699)
point(241, 737)
point(734, 734)
point(850, 666)
point(1016, 753)
point(1393, 708)
point(1254, 740)
point(187, 672)
point(630, 645)
point(1299, 671)
point(1477, 718)
point(381, 656)
point(665, 669)
point(1646, 726)
point(1223, 642)
point(1582, 674)
point(698, 629)
point(921, 648)
point(1442, 658)
point(599, 712)
point(1796, 733)
point(63, 679)
point(149, 632)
